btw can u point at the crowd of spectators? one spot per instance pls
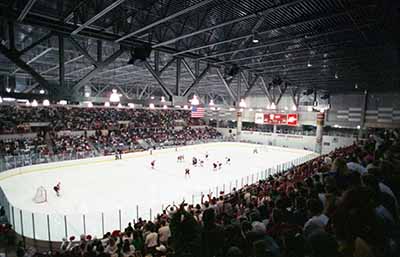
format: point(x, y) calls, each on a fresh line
point(70, 144)
point(111, 129)
point(344, 204)
point(26, 146)
point(18, 119)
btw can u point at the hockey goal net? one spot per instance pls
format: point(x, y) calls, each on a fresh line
point(41, 195)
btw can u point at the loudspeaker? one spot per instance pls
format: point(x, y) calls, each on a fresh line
point(140, 54)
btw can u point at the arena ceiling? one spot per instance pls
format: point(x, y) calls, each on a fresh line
point(68, 46)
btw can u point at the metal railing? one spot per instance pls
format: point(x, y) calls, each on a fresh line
point(22, 160)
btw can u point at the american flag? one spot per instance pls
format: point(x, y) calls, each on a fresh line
point(197, 112)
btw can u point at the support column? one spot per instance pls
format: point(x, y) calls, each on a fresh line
point(61, 59)
point(275, 128)
point(363, 128)
point(238, 123)
point(178, 77)
point(238, 113)
point(11, 35)
point(99, 50)
point(320, 128)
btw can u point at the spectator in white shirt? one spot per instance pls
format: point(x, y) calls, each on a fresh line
point(151, 241)
point(315, 209)
point(164, 233)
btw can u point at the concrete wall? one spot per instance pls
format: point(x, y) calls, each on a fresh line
point(346, 110)
point(329, 143)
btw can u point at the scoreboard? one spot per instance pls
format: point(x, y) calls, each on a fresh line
point(290, 119)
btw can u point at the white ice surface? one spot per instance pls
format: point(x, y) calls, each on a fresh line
point(107, 186)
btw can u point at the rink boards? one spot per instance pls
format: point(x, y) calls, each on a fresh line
point(102, 194)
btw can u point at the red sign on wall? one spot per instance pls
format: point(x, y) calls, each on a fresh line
point(292, 119)
point(275, 118)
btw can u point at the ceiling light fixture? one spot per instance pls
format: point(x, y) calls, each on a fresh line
point(114, 97)
point(46, 102)
point(242, 103)
point(194, 101)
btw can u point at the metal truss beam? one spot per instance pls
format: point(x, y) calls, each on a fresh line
point(178, 76)
point(266, 89)
point(67, 62)
point(189, 70)
point(61, 60)
point(282, 90)
point(302, 49)
point(99, 67)
point(82, 50)
point(246, 40)
point(250, 86)
point(171, 61)
point(34, 59)
point(165, 19)
point(279, 41)
point(116, 69)
point(75, 8)
point(261, 33)
point(50, 23)
point(79, 70)
point(226, 84)
point(143, 91)
point(24, 66)
point(30, 88)
point(26, 10)
point(302, 65)
point(196, 81)
point(200, 31)
point(295, 94)
point(38, 42)
point(97, 16)
point(223, 24)
point(164, 88)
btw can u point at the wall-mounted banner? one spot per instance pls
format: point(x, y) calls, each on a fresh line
point(290, 119)
point(275, 118)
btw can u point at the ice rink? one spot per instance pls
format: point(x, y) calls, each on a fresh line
point(103, 194)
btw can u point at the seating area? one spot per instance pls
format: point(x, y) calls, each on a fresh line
point(341, 204)
point(18, 119)
point(65, 133)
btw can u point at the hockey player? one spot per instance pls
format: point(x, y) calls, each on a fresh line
point(187, 172)
point(57, 188)
point(194, 161)
point(153, 164)
point(215, 165)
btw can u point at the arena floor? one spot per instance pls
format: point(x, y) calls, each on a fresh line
point(93, 191)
